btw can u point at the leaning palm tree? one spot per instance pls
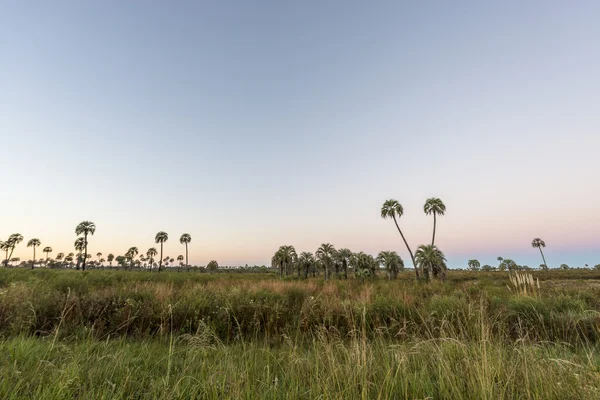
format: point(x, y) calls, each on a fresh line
point(306, 261)
point(436, 207)
point(185, 239)
point(151, 253)
point(343, 257)
point(47, 250)
point(161, 237)
point(13, 241)
point(33, 243)
point(392, 209)
point(392, 263)
point(85, 228)
point(325, 254)
point(431, 261)
point(539, 243)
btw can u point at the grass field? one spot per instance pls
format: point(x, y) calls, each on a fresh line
point(137, 335)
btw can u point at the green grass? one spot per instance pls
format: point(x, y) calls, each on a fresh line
point(136, 335)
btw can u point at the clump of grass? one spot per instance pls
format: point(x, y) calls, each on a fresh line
point(523, 283)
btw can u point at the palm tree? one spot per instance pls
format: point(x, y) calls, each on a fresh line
point(110, 257)
point(432, 261)
point(180, 259)
point(391, 208)
point(60, 256)
point(185, 239)
point(364, 265)
point(284, 258)
point(131, 253)
point(13, 241)
point(99, 255)
point(85, 228)
point(151, 253)
point(33, 243)
point(392, 263)
point(474, 265)
point(436, 207)
point(325, 254)
point(47, 250)
point(79, 247)
point(306, 261)
point(343, 257)
point(539, 243)
point(5, 246)
point(161, 237)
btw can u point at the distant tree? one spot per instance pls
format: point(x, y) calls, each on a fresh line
point(364, 265)
point(85, 228)
point(47, 250)
point(59, 257)
point(539, 243)
point(487, 268)
point(12, 242)
point(284, 258)
point(564, 266)
point(186, 239)
point(180, 259)
point(33, 243)
point(432, 261)
point(161, 237)
point(306, 261)
point(151, 253)
point(325, 254)
point(99, 255)
point(5, 246)
point(392, 263)
point(343, 257)
point(121, 261)
point(130, 255)
point(597, 266)
point(436, 207)
point(508, 265)
point(212, 266)
point(79, 247)
point(392, 209)
point(110, 257)
point(474, 265)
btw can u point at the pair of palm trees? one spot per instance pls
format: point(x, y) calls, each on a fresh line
point(35, 242)
point(161, 237)
point(9, 245)
point(428, 258)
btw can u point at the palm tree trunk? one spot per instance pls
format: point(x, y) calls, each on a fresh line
point(84, 252)
point(345, 265)
point(434, 224)
point(160, 260)
point(33, 264)
point(187, 264)
point(412, 257)
point(543, 258)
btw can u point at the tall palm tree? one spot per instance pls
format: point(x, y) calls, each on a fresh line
point(131, 253)
point(47, 250)
point(33, 243)
point(13, 241)
point(343, 257)
point(185, 239)
point(161, 237)
point(392, 263)
point(85, 228)
point(284, 258)
point(392, 209)
point(79, 247)
point(436, 207)
point(474, 265)
point(539, 243)
point(110, 257)
point(306, 261)
point(151, 253)
point(432, 261)
point(325, 254)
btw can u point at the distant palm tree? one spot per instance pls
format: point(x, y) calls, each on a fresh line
point(306, 261)
point(47, 250)
point(432, 261)
point(284, 258)
point(343, 257)
point(79, 247)
point(60, 256)
point(392, 263)
point(13, 241)
point(180, 259)
point(436, 207)
point(110, 257)
point(185, 239)
point(364, 265)
point(102, 261)
point(474, 265)
point(85, 228)
point(151, 253)
point(161, 237)
point(391, 208)
point(5, 246)
point(539, 243)
point(325, 254)
point(33, 243)
point(131, 253)
point(99, 255)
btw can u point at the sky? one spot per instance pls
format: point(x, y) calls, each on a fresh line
point(252, 125)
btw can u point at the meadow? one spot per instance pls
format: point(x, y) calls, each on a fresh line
point(169, 335)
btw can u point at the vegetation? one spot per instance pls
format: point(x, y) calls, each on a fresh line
point(436, 207)
point(539, 243)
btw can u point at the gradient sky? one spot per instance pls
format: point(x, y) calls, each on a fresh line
point(252, 124)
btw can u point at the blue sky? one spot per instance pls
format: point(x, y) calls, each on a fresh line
point(256, 124)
